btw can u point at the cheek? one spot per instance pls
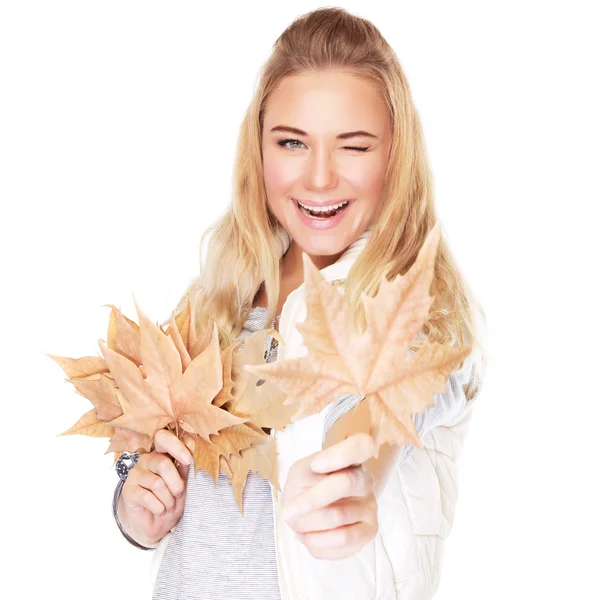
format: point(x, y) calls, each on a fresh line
point(367, 180)
point(279, 175)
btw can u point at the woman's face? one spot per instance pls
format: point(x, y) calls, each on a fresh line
point(319, 163)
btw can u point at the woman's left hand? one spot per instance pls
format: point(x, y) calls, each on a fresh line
point(329, 501)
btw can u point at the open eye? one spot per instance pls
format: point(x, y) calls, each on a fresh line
point(284, 142)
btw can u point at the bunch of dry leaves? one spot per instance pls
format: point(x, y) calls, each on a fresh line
point(150, 378)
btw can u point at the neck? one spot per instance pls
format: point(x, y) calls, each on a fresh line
point(292, 268)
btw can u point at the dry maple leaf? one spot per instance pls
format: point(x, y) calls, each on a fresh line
point(123, 335)
point(90, 424)
point(92, 379)
point(100, 390)
point(376, 364)
point(168, 394)
point(214, 459)
point(260, 458)
point(258, 399)
point(229, 442)
point(80, 367)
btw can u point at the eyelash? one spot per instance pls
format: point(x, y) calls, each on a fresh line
point(283, 142)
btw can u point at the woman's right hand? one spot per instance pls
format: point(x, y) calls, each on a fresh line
point(153, 495)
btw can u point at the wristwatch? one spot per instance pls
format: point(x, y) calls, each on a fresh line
point(124, 464)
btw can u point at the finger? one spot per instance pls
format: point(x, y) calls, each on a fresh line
point(354, 450)
point(332, 553)
point(167, 443)
point(352, 481)
point(302, 474)
point(346, 538)
point(141, 497)
point(162, 465)
point(343, 512)
point(156, 484)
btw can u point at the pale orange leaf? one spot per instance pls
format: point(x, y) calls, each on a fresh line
point(90, 424)
point(376, 364)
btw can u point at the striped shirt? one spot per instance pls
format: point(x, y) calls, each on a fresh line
point(216, 553)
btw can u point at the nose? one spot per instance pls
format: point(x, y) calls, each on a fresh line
point(321, 173)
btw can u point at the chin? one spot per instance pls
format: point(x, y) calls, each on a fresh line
point(323, 246)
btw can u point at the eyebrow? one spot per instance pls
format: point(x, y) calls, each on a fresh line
point(341, 136)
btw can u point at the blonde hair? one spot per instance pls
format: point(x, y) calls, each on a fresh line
point(244, 246)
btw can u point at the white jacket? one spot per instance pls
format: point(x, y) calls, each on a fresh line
point(416, 508)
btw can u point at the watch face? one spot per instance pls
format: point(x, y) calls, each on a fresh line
point(124, 463)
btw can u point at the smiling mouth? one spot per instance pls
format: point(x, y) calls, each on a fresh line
point(321, 214)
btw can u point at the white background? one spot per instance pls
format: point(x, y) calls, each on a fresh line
point(118, 124)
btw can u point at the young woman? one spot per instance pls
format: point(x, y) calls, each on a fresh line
point(331, 161)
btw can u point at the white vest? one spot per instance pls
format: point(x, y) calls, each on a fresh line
point(416, 508)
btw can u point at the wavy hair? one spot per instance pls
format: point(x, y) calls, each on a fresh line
point(245, 237)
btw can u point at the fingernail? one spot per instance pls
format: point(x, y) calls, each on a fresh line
point(319, 464)
point(185, 457)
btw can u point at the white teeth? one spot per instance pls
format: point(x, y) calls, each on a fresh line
point(322, 208)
